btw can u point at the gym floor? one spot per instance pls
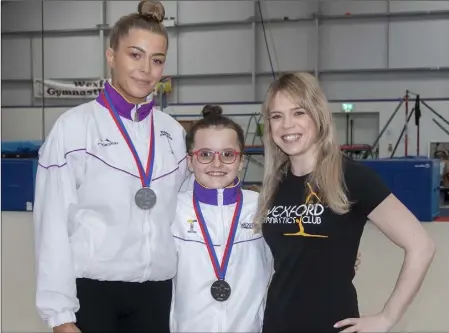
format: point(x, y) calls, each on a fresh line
point(429, 312)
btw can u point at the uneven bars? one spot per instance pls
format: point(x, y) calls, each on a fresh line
point(430, 108)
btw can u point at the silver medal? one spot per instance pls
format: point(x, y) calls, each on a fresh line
point(220, 290)
point(145, 198)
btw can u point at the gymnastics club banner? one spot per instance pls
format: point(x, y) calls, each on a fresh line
point(84, 88)
point(68, 89)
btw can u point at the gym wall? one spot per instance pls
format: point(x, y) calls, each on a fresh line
point(370, 50)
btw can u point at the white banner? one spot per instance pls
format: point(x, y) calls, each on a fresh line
point(68, 89)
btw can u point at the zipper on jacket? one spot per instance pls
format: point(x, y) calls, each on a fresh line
point(136, 114)
point(222, 224)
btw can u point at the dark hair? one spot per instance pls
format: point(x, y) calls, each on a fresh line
point(212, 117)
point(150, 15)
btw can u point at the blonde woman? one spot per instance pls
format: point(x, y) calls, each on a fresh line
point(312, 210)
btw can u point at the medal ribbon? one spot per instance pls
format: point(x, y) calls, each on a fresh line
point(145, 174)
point(220, 270)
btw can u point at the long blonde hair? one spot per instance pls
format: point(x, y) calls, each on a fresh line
point(327, 177)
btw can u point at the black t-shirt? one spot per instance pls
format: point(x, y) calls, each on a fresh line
point(312, 285)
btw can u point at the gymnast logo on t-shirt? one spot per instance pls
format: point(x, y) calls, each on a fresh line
point(308, 213)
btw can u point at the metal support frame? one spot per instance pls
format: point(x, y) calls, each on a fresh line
point(317, 41)
point(254, 53)
point(440, 126)
point(250, 20)
point(43, 72)
point(177, 55)
point(387, 51)
point(376, 142)
point(403, 133)
point(103, 25)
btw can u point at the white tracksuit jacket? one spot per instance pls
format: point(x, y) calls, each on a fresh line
point(249, 269)
point(86, 221)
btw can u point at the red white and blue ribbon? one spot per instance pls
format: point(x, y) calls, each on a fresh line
point(220, 269)
point(145, 174)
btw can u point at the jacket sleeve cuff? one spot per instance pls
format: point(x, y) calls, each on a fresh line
point(62, 318)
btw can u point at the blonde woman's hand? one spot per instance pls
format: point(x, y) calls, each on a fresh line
point(372, 324)
point(66, 328)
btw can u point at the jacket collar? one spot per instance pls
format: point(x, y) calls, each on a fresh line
point(210, 195)
point(123, 107)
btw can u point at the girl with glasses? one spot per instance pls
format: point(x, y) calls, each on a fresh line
point(224, 267)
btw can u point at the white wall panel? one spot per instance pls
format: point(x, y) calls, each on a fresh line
point(365, 127)
point(292, 47)
point(61, 15)
point(263, 83)
point(419, 43)
point(116, 9)
point(31, 129)
point(16, 58)
point(338, 7)
point(17, 94)
point(22, 16)
point(214, 11)
point(410, 6)
point(372, 86)
point(68, 57)
point(290, 9)
point(36, 55)
point(215, 50)
point(340, 127)
point(215, 90)
point(352, 44)
point(171, 63)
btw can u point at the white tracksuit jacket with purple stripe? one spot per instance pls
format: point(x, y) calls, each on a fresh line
point(249, 269)
point(86, 221)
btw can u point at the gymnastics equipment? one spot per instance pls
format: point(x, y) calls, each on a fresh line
point(18, 172)
point(416, 111)
point(376, 142)
point(162, 89)
point(414, 181)
point(440, 126)
point(253, 149)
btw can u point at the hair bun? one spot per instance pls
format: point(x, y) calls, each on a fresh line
point(153, 9)
point(211, 111)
